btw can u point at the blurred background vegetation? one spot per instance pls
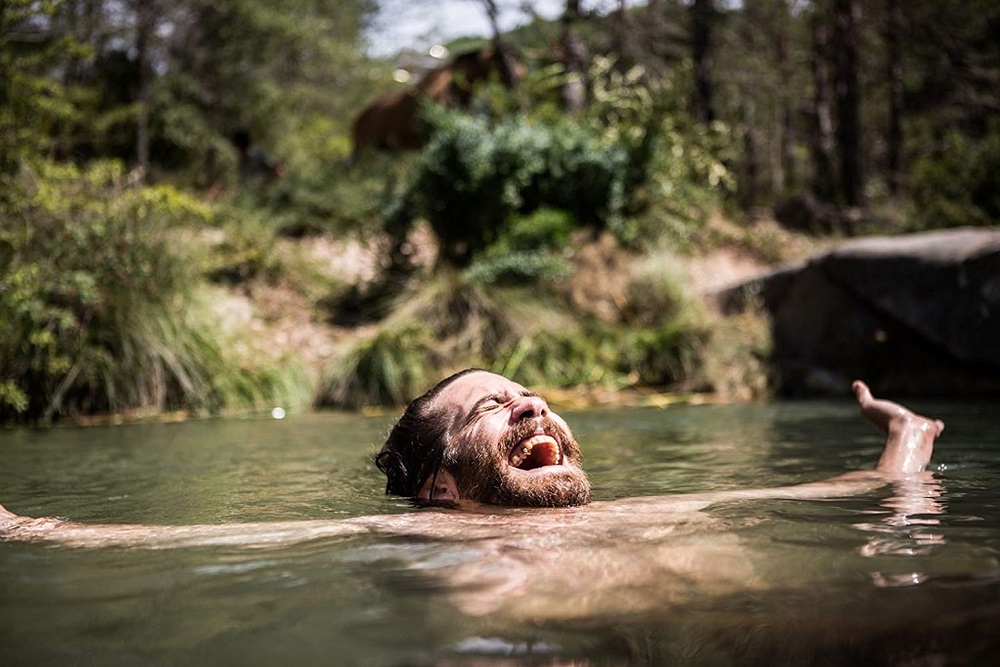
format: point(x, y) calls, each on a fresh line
point(179, 191)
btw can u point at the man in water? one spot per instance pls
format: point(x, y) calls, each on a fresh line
point(478, 436)
point(478, 439)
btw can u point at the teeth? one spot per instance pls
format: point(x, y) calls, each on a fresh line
point(518, 457)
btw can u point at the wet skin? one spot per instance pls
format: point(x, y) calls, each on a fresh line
point(909, 437)
point(491, 422)
point(505, 446)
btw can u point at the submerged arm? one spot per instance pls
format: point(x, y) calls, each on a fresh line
point(27, 529)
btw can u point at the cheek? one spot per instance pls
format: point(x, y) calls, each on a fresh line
point(471, 444)
point(489, 430)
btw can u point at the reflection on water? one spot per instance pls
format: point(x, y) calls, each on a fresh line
point(914, 505)
point(909, 574)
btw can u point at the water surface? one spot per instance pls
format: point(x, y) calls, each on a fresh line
point(844, 581)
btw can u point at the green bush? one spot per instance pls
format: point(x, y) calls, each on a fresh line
point(960, 185)
point(583, 356)
point(474, 177)
point(632, 163)
point(98, 301)
point(390, 368)
point(532, 247)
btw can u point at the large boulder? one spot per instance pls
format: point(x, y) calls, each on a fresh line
point(916, 314)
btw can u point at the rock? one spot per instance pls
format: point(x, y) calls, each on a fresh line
point(910, 315)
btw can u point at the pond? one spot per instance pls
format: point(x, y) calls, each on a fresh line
point(859, 580)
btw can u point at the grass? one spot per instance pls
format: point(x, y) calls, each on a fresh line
point(531, 334)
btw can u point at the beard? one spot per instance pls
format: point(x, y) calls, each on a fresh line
point(485, 475)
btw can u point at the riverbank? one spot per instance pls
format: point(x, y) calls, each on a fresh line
point(285, 322)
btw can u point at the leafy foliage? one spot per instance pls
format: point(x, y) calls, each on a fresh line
point(632, 164)
point(32, 104)
point(101, 279)
point(98, 302)
point(532, 247)
point(474, 177)
point(961, 184)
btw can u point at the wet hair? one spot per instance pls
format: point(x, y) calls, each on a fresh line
point(415, 447)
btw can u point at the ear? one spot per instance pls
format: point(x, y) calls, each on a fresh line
point(444, 487)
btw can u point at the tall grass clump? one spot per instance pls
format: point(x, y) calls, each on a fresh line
point(444, 324)
point(390, 368)
point(526, 331)
point(99, 301)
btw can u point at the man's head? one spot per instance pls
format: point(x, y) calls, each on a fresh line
point(479, 436)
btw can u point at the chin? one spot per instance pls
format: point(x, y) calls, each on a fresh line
point(551, 486)
point(536, 464)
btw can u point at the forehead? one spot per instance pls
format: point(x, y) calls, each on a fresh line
point(463, 393)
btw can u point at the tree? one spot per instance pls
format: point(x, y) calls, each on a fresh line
point(145, 31)
point(892, 33)
point(847, 18)
point(574, 91)
point(32, 104)
point(824, 184)
point(784, 172)
point(161, 85)
point(703, 15)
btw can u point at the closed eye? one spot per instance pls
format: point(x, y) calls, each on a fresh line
point(488, 403)
point(494, 401)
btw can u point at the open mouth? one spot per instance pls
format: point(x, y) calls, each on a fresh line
point(536, 451)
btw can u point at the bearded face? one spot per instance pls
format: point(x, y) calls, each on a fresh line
point(505, 446)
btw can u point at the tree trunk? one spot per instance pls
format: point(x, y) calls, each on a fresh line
point(749, 167)
point(847, 17)
point(508, 61)
point(702, 18)
point(145, 24)
point(894, 78)
point(785, 168)
point(751, 161)
point(824, 184)
point(623, 38)
point(574, 92)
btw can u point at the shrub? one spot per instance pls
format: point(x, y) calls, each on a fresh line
point(960, 185)
point(474, 177)
point(98, 301)
point(390, 368)
point(585, 355)
point(677, 170)
point(532, 247)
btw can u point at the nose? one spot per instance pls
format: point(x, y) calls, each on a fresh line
point(528, 407)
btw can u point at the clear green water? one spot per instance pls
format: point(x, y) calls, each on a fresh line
point(848, 581)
